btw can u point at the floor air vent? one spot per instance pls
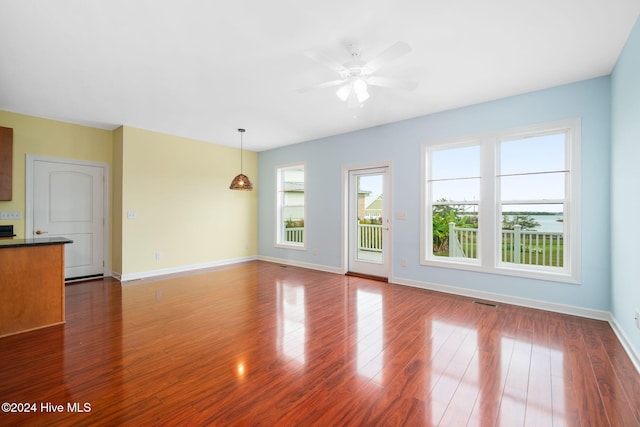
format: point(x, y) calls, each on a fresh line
point(488, 304)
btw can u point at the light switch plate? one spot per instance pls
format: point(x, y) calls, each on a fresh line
point(401, 215)
point(10, 215)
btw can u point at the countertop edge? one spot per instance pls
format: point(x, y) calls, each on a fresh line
point(17, 243)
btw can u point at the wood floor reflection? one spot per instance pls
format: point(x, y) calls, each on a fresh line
point(263, 344)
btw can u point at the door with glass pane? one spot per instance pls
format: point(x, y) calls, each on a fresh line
point(369, 225)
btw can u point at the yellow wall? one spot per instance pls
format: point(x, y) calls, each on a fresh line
point(43, 137)
point(179, 191)
point(178, 187)
point(116, 205)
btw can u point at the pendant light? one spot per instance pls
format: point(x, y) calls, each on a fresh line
point(241, 182)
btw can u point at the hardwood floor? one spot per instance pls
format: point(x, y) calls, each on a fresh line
point(262, 344)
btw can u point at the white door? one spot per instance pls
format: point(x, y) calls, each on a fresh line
point(67, 200)
point(369, 225)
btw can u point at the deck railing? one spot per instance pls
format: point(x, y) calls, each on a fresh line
point(370, 237)
point(462, 242)
point(519, 246)
point(294, 235)
point(532, 247)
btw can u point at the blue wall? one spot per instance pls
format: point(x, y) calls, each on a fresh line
point(400, 143)
point(625, 204)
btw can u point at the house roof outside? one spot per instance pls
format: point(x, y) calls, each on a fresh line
point(376, 204)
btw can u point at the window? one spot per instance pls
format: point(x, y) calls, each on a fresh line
point(454, 191)
point(290, 230)
point(505, 203)
point(531, 182)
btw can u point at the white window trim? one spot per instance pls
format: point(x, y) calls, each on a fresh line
point(277, 229)
point(426, 256)
point(489, 257)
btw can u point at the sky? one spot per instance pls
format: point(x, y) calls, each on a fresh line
point(541, 159)
point(531, 155)
point(372, 183)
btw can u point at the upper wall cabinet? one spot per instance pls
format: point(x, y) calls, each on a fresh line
point(6, 162)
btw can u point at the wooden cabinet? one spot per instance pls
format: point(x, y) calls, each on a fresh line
point(31, 284)
point(6, 163)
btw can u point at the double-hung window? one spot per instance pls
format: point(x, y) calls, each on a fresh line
point(290, 202)
point(454, 195)
point(506, 203)
point(532, 185)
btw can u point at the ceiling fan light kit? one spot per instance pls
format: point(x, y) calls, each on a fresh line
point(356, 75)
point(354, 93)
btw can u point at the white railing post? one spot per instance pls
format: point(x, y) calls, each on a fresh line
point(452, 236)
point(516, 243)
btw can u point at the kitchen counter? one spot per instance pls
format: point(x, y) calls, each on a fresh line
point(31, 284)
point(14, 243)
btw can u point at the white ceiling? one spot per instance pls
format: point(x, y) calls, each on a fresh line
point(203, 68)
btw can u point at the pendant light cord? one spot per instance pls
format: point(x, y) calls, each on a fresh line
point(241, 132)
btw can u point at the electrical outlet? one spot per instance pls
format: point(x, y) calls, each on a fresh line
point(637, 317)
point(403, 262)
point(158, 256)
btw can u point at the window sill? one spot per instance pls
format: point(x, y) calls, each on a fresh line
point(562, 276)
point(301, 247)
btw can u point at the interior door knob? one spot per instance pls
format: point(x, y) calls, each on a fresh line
point(41, 232)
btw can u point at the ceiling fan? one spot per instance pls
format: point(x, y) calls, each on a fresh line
point(356, 75)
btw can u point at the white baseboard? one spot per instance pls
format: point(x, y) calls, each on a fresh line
point(310, 266)
point(181, 269)
point(507, 299)
point(624, 340)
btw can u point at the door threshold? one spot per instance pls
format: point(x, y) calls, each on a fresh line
point(78, 279)
point(367, 276)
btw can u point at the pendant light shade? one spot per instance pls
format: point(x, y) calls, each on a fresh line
point(241, 181)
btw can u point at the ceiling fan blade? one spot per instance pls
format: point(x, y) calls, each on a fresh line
point(320, 86)
point(391, 83)
point(326, 60)
point(394, 51)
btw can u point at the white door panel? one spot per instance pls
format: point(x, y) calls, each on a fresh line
point(71, 197)
point(68, 201)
